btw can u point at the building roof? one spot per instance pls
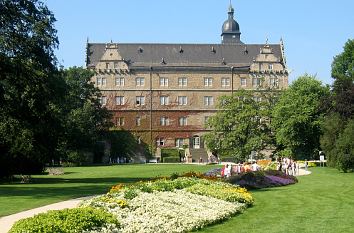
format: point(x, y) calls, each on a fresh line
point(144, 55)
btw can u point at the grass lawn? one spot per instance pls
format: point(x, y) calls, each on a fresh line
point(78, 182)
point(320, 202)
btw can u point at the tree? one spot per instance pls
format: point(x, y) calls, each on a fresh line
point(336, 137)
point(28, 86)
point(84, 119)
point(343, 86)
point(331, 127)
point(296, 118)
point(345, 148)
point(240, 126)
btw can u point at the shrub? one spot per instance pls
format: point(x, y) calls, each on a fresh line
point(67, 220)
point(170, 160)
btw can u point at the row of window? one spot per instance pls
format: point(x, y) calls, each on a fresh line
point(164, 121)
point(183, 81)
point(164, 100)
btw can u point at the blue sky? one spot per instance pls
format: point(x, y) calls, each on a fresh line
point(314, 31)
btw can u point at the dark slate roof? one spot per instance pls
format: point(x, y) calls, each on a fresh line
point(143, 55)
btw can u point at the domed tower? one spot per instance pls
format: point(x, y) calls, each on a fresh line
point(230, 29)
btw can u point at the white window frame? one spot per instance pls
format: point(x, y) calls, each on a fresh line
point(140, 100)
point(182, 121)
point(139, 81)
point(208, 82)
point(208, 100)
point(120, 81)
point(103, 100)
point(182, 81)
point(138, 121)
point(120, 121)
point(160, 142)
point(179, 142)
point(270, 66)
point(163, 82)
point(225, 82)
point(243, 82)
point(164, 121)
point(273, 82)
point(256, 82)
point(164, 100)
point(182, 100)
point(101, 81)
point(120, 100)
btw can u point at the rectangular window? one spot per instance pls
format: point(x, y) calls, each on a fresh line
point(208, 100)
point(103, 100)
point(182, 82)
point(140, 81)
point(182, 121)
point(160, 142)
point(140, 100)
point(163, 82)
point(116, 65)
point(164, 121)
point(120, 121)
point(138, 121)
point(119, 100)
point(107, 65)
point(101, 81)
point(270, 66)
point(257, 98)
point(119, 81)
point(256, 82)
point(179, 142)
point(182, 100)
point(164, 100)
point(273, 82)
point(243, 82)
point(208, 82)
point(225, 82)
point(206, 119)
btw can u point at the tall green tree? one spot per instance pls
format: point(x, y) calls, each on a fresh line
point(336, 137)
point(343, 86)
point(29, 86)
point(296, 118)
point(240, 126)
point(85, 120)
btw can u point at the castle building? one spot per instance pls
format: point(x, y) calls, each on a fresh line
point(164, 93)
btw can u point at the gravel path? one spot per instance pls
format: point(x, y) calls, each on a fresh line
point(7, 221)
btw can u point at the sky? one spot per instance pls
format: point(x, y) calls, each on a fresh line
point(313, 31)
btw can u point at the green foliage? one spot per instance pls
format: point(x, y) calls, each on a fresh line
point(125, 144)
point(337, 139)
point(242, 125)
point(67, 220)
point(345, 148)
point(296, 117)
point(84, 120)
point(29, 87)
point(130, 193)
point(171, 160)
point(332, 126)
point(343, 86)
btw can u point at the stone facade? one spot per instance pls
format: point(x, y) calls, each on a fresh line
point(164, 93)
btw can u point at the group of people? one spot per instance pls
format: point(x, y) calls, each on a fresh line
point(288, 166)
point(231, 169)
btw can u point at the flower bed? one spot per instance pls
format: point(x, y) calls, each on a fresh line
point(260, 179)
point(179, 203)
